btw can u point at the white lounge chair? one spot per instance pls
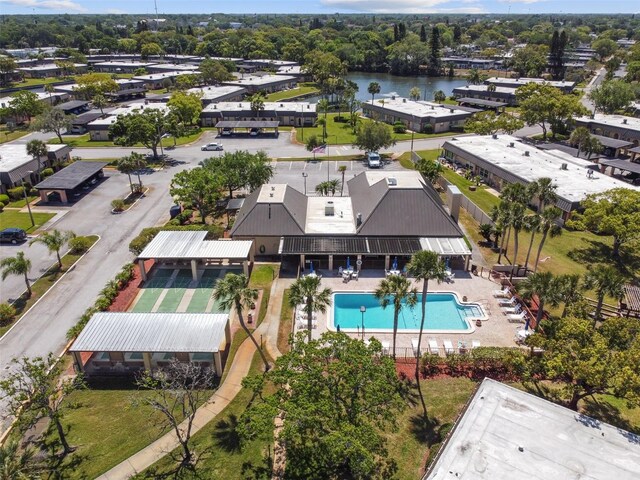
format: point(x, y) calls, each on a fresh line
point(509, 302)
point(355, 274)
point(517, 317)
point(448, 347)
point(475, 344)
point(433, 346)
point(414, 345)
point(517, 308)
point(386, 347)
point(505, 292)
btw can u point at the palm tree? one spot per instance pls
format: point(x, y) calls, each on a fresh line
point(491, 87)
point(373, 89)
point(545, 287)
point(548, 226)
point(579, 137)
point(342, 169)
point(49, 88)
point(517, 224)
point(332, 186)
point(439, 96)
point(233, 292)
point(139, 162)
point(322, 189)
point(545, 190)
point(425, 265)
point(16, 464)
point(306, 290)
point(605, 280)
point(512, 194)
point(396, 289)
point(54, 241)
point(474, 77)
point(18, 265)
point(570, 291)
point(592, 146)
point(532, 225)
point(125, 165)
point(257, 103)
point(37, 149)
point(100, 101)
point(414, 94)
point(323, 106)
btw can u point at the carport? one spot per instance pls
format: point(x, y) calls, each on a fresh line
point(179, 248)
point(620, 164)
point(68, 180)
point(248, 125)
point(482, 103)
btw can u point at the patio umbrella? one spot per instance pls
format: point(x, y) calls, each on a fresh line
point(311, 267)
point(348, 263)
point(395, 264)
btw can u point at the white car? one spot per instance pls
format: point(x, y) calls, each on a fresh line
point(211, 147)
point(373, 160)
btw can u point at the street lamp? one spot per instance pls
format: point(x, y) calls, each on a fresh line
point(328, 159)
point(26, 199)
point(362, 310)
point(305, 175)
point(412, 128)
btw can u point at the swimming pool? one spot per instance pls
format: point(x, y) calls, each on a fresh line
point(445, 313)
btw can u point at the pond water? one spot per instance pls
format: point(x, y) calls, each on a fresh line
point(400, 86)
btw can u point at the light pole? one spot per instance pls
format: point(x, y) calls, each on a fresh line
point(305, 175)
point(26, 199)
point(328, 159)
point(302, 121)
point(412, 128)
point(362, 310)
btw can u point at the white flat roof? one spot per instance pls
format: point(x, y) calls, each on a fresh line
point(160, 76)
point(174, 66)
point(126, 110)
point(445, 245)
point(573, 183)
point(14, 155)
point(417, 109)
point(192, 245)
point(122, 63)
point(259, 80)
point(485, 88)
point(341, 222)
point(509, 434)
point(525, 80)
point(268, 106)
point(211, 93)
point(152, 332)
point(292, 70)
point(47, 66)
point(621, 121)
point(396, 179)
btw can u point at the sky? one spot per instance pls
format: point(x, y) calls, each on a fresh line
point(8, 7)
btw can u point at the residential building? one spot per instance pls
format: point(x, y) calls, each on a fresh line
point(387, 214)
point(619, 127)
point(171, 67)
point(564, 85)
point(16, 165)
point(127, 89)
point(416, 115)
point(287, 113)
point(156, 81)
point(120, 66)
point(470, 62)
point(50, 70)
point(502, 159)
point(505, 95)
point(221, 93)
point(99, 128)
point(264, 83)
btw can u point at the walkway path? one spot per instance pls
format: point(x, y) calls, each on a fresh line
point(219, 400)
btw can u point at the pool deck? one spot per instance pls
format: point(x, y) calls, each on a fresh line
point(496, 331)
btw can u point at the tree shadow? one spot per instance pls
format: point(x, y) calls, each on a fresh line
point(608, 413)
point(596, 251)
point(428, 431)
point(226, 434)
point(260, 470)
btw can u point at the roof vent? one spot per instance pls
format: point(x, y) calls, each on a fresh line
point(393, 97)
point(511, 144)
point(358, 219)
point(271, 194)
point(526, 153)
point(432, 107)
point(564, 166)
point(404, 100)
point(494, 136)
point(392, 181)
point(308, 106)
point(451, 110)
point(273, 189)
point(329, 209)
point(281, 105)
point(624, 120)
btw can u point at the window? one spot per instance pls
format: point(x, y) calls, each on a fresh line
point(201, 357)
point(133, 356)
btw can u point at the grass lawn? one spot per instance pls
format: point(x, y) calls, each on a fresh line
point(481, 197)
point(286, 324)
point(42, 285)
point(406, 161)
point(339, 133)
point(7, 135)
point(303, 90)
point(16, 219)
point(262, 276)
point(84, 141)
point(20, 203)
point(31, 82)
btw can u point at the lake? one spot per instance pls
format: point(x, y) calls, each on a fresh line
point(400, 86)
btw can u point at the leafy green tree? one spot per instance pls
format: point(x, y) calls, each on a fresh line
point(240, 169)
point(396, 290)
point(233, 292)
point(604, 47)
point(19, 463)
point(126, 166)
point(312, 143)
point(544, 286)
point(35, 389)
point(322, 67)
point(434, 65)
point(373, 89)
point(605, 280)
point(54, 240)
point(25, 103)
point(100, 101)
point(474, 77)
point(612, 95)
point(414, 94)
point(425, 265)
point(18, 265)
point(185, 82)
point(151, 49)
point(570, 291)
point(548, 226)
point(531, 60)
point(185, 106)
point(199, 187)
point(615, 212)
point(306, 291)
point(439, 96)
point(146, 127)
point(138, 163)
point(7, 66)
point(488, 123)
point(37, 149)
point(372, 136)
point(53, 120)
point(92, 84)
point(214, 72)
point(430, 169)
point(579, 138)
point(336, 394)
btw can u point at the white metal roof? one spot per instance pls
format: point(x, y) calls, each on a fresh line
point(192, 245)
point(506, 433)
point(263, 80)
point(418, 109)
point(152, 332)
point(445, 245)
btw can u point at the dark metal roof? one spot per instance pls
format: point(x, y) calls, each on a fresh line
point(71, 105)
point(248, 124)
point(349, 245)
point(85, 118)
point(571, 151)
point(235, 203)
point(481, 101)
point(622, 165)
point(72, 176)
point(612, 142)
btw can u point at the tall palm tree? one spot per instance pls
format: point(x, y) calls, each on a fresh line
point(306, 290)
point(474, 77)
point(425, 265)
point(605, 280)
point(17, 464)
point(414, 94)
point(512, 194)
point(18, 265)
point(396, 289)
point(37, 149)
point(517, 224)
point(49, 88)
point(545, 287)
point(579, 138)
point(323, 106)
point(54, 241)
point(139, 163)
point(373, 89)
point(545, 190)
point(125, 165)
point(257, 103)
point(233, 292)
point(570, 291)
point(531, 225)
point(548, 226)
point(342, 169)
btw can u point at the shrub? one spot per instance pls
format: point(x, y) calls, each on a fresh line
point(136, 246)
point(117, 205)
point(340, 119)
point(74, 331)
point(103, 303)
point(399, 127)
point(79, 245)
point(4, 198)
point(7, 313)
point(184, 216)
point(125, 275)
point(1, 206)
point(16, 193)
point(47, 172)
point(430, 364)
point(427, 128)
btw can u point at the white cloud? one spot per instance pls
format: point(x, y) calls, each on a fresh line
point(402, 6)
point(115, 11)
point(62, 5)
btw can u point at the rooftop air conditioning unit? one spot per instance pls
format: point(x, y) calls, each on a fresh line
point(393, 97)
point(512, 145)
point(358, 219)
point(451, 110)
point(329, 210)
point(624, 120)
point(404, 100)
point(526, 153)
point(564, 166)
point(392, 181)
point(494, 136)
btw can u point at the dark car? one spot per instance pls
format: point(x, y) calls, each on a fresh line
point(13, 235)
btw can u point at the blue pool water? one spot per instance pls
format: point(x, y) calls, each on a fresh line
point(443, 313)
